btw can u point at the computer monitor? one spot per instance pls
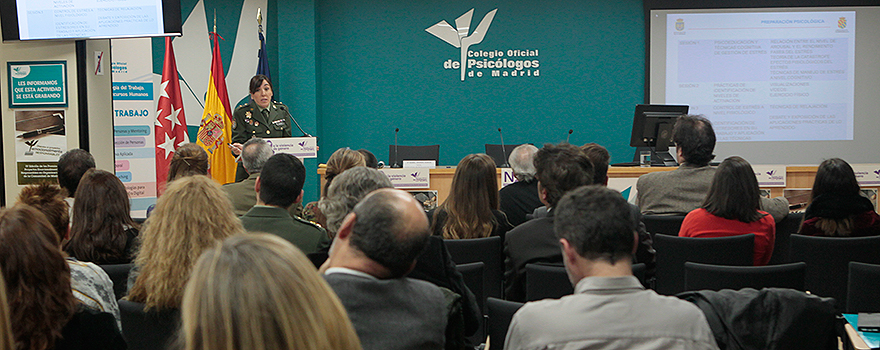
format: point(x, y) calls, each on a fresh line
point(652, 128)
point(499, 153)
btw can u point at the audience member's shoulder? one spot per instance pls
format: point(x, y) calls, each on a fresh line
point(310, 225)
point(81, 270)
point(529, 227)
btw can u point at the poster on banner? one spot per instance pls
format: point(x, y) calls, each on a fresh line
point(626, 186)
point(37, 84)
point(770, 175)
point(40, 139)
point(408, 178)
point(134, 117)
point(300, 147)
point(867, 174)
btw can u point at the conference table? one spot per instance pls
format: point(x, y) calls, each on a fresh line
point(797, 177)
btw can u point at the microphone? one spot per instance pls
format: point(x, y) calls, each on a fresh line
point(503, 151)
point(396, 161)
point(569, 135)
point(305, 134)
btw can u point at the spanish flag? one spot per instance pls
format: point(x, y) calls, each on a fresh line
point(215, 130)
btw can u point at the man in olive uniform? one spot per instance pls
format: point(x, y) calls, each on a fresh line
point(278, 187)
point(261, 117)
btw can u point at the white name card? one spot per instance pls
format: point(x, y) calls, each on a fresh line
point(770, 175)
point(867, 174)
point(428, 164)
point(300, 147)
point(408, 178)
point(507, 177)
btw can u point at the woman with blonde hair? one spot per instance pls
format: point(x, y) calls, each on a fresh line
point(341, 160)
point(471, 209)
point(192, 215)
point(260, 292)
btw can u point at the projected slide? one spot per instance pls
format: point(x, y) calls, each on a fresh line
point(771, 76)
point(42, 19)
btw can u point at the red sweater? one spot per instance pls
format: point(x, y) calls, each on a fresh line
point(701, 223)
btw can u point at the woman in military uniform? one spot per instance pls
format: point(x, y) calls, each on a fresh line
point(260, 117)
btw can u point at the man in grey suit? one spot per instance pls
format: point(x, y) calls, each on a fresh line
point(255, 152)
point(278, 187)
point(374, 249)
point(679, 191)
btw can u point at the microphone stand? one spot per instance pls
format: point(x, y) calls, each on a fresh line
point(503, 151)
point(396, 157)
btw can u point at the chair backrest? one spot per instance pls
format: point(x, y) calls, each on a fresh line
point(674, 251)
point(546, 281)
point(662, 224)
point(863, 288)
point(500, 314)
point(147, 330)
point(486, 250)
point(784, 229)
point(474, 279)
point(499, 154)
point(118, 273)
point(717, 277)
point(397, 154)
point(828, 261)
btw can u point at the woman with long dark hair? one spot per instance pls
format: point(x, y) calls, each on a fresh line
point(731, 208)
point(101, 230)
point(43, 311)
point(471, 209)
point(837, 207)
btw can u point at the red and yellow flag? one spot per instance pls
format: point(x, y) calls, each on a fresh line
point(215, 130)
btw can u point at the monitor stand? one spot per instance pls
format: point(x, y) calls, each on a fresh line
point(662, 158)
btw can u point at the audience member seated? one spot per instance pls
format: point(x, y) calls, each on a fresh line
point(254, 154)
point(102, 231)
point(609, 309)
point(71, 167)
point(600, 159)
point(682, 190)
point(278, 187)
point(347, 190)
point(837, 208)
point(471, 208)
point(90, 284)
point(190, 217)
point(188, 160)
point(374, 249)
point(435, 265)
point(260, 292)
point(341, 160)
point(521, 197)
point(560, 168)
point(43, 311)
point(370, 160)
point(732, 208)
point(6, 338)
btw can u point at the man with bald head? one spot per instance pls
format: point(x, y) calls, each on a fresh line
point(375, 247)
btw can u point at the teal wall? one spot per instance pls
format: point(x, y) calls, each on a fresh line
point(379, 69)
point(352, 71)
